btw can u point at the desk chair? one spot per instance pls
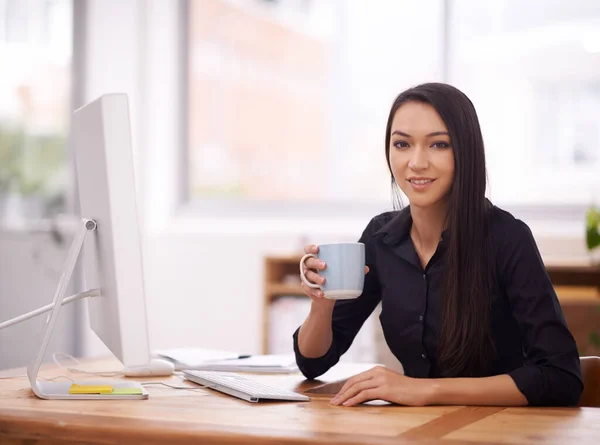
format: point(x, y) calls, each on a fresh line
point(590, 373)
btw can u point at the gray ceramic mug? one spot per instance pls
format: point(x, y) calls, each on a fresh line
point(345, 271)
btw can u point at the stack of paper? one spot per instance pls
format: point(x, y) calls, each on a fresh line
point(191, 358)
point(217, 360)
point(256, 363)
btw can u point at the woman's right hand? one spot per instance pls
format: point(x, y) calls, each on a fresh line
point(312, 266)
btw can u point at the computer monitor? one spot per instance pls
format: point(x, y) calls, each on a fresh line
point(111, 240)
point(112, 259)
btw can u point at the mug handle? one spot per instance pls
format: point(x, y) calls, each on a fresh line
point(302, 276)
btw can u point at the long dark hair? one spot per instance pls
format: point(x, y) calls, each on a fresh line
point(465, 345)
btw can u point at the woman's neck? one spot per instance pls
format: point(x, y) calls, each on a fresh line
point(428, 224)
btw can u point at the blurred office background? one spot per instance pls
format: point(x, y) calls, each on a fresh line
point(258, 127)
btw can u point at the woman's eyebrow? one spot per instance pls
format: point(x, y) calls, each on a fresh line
point(435, 133)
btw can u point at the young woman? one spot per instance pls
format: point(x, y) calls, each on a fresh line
point(467, 306)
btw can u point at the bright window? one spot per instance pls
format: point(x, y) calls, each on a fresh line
point(288, 99)
point(532, 70)
point(35, 92)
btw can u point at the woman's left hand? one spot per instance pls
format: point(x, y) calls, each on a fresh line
point(384, 384)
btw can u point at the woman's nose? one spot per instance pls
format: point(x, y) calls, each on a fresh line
point(418, 161)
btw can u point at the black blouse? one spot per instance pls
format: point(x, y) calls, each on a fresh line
point(532, 342)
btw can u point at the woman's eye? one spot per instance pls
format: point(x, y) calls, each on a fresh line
point(401, 144)
point(441, 144)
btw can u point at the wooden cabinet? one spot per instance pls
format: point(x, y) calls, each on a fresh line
point(573, 275)
point(282, 278)
point(578, 290)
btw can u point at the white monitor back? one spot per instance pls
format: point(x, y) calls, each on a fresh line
point(112, 258)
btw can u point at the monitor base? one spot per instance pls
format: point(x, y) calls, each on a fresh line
point(60, 390)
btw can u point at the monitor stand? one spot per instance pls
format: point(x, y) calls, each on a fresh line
point(60, 390)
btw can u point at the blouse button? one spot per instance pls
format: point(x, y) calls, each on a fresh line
point(423, 355)
point(420, 318)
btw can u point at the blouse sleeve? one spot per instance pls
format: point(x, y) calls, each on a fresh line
point(551, 372)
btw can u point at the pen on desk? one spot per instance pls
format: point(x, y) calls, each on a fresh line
point(229, 358)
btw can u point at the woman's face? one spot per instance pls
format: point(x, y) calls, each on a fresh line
point(421, 154)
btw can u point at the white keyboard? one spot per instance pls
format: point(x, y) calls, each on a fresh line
point(242, 387)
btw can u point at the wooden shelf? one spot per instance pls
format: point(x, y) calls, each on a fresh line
point(275, 290)
point(586, 276)
point(277, 268)
point(577, 294)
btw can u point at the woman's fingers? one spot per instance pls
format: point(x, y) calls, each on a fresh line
point(364, 396)
point(354, 390)
point(314, 277)
point(315, 294)
point(314, 263)
point(311, 249)
point(366, 270)
point(363, 376)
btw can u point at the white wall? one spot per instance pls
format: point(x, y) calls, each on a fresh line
point(206, 289)
point(30, 267)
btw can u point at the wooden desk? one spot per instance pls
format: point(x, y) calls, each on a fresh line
point(203, 416)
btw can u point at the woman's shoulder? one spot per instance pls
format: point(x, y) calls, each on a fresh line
point(383, 222)
point(383, 218)
point(506, 229)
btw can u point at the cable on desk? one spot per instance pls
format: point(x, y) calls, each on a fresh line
point(57, 377)
point(55, 358)
point(8, 377)
point(114, 373)
point(193, 388)
point(78, 363)
point(47, 379)
point(57, 362)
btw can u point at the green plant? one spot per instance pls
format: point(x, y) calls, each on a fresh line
point(31, 164)
point(593, 228)
point(11, 141)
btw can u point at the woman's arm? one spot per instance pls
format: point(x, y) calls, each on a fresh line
point(327, 333)
point(330, 328)
point(499, 390)
point(385, 384)
point(315, 334)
